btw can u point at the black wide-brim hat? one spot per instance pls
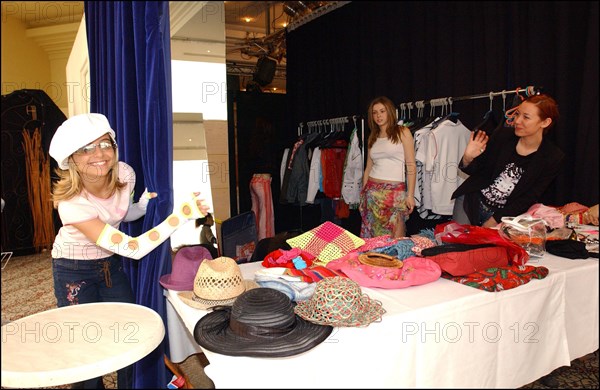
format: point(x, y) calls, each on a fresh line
point(261, 323)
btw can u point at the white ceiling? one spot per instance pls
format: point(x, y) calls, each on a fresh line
point(203, 33)
point(196, 29)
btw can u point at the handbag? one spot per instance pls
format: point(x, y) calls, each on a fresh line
point(464, 259)
point(452, 232)
point(526, 231)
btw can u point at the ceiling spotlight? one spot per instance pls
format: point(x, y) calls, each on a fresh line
point(294, 8)
point(288, 9)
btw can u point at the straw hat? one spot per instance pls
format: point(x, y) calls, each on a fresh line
point(339, 301)
point(260, 323)
point(218, 282)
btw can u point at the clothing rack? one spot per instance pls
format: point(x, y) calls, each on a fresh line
point(334, 124)
point(447, 101)
point(339, 122)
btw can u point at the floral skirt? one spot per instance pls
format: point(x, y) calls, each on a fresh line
point(381, 204)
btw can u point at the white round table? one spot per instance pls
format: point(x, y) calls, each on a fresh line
point(75, 343)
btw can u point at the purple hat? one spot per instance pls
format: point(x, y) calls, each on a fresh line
point(185, 266)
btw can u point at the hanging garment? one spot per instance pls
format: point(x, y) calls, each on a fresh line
point(353, 172)
point(332, 168)
point(423, 185)
point(296, 173)
point(284, 159)
point(262, 204)
point(287, 170)
point(445, 148)
point(24, 110)
point(314, 176)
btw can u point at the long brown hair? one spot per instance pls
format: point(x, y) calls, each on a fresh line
point(393, 130)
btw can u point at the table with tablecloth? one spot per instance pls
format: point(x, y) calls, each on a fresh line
point(78, 342)
point(441, 334)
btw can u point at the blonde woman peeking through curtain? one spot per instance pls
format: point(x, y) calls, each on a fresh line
point(93, 196)
point(387, 196)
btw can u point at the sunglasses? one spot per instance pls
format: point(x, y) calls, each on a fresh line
point(91, 148)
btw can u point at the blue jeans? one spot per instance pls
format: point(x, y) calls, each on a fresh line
point(460, 216)
point(89, 281)
point(484, 212)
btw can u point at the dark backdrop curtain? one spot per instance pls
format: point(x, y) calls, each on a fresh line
point(260, 120)
point(414, 51)
point(130, 74)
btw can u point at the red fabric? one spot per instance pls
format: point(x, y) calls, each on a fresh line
point(469, 234)
point(332, 168)
point(314, 274)
point(283, 258)
point(377, 242)
point(342, 210)
point(501, 278)
point(473, 260)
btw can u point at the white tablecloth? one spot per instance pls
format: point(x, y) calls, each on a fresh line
point(441, 334)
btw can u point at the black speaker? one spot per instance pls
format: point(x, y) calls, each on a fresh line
point(233, 82)
point(265, 70)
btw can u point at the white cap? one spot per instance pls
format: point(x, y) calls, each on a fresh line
point(77, 132)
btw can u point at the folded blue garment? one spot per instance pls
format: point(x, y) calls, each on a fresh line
point(296, 291)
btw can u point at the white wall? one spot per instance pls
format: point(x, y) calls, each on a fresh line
point(198, 87)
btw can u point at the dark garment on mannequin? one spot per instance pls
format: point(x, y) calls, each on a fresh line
point(24, 110)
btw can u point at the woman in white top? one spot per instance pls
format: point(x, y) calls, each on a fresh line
point(93, 196)
point(387, 196)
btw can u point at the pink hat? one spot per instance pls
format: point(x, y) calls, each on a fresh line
point(185, 265)
point(414, 271)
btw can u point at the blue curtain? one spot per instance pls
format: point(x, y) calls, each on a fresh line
point(130, 76)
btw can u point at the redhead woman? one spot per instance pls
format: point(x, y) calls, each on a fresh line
point(510, 171)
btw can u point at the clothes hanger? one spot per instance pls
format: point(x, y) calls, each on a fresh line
point(490, 122)
point(402, 115)
point(510, 114)
point(421, 121)
point(451, 116)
